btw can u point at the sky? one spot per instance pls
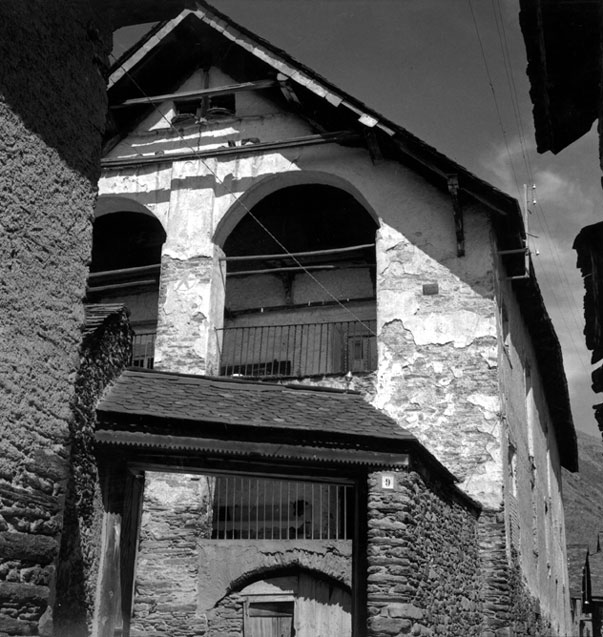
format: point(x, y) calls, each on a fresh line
point(452, 72)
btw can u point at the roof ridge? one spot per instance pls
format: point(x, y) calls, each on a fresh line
point(256, 384)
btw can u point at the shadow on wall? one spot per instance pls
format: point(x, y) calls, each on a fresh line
point(424, 216)
point(424, 219)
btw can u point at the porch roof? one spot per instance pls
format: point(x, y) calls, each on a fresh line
point(153, 410)
point(252, 404)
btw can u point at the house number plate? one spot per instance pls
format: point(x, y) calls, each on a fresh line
point(387, 481)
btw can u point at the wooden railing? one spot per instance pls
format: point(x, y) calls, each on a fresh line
point(299, 349)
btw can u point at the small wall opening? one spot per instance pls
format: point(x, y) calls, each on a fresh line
point(300, 286)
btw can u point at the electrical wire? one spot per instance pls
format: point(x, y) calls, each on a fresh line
point(495, 99)
point(229, 191)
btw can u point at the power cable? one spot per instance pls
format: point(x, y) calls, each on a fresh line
point(495, 99)
point(223, 183)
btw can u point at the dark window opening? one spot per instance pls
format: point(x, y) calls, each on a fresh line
point(125, 268)
point(221, 105)
point(124, 240)
point(306, 256)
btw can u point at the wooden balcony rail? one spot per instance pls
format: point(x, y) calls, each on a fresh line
point(300, 349)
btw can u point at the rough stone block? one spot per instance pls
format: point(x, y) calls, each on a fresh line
point(403, 610)
point(23, 546)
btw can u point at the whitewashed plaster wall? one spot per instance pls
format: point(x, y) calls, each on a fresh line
point(532, 485)
point(437, 373)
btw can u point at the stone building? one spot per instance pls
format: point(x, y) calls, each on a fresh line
point(262, 225)
point(586, 590)
point(416, 275)
point(578, 568)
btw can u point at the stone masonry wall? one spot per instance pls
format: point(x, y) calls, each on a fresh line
point(423, 561)
point(509, 609)
point(438, 372)
point(52, 113)
point(175, 516)
point(186, 583)
point(184, 309)
point(105, 353)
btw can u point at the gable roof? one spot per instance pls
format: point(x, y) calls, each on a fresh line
point(170, 45)
point(174, 49)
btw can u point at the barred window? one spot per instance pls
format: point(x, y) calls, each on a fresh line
point(248, 508)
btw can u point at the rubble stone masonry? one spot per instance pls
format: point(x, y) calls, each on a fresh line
point(423, 562)
point(105, 352)
point(52, 112)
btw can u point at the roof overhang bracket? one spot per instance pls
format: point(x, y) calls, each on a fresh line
point(457, 210)
point(287, 90)
point(372, 143)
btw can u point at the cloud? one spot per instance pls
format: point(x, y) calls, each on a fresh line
point(568, 198)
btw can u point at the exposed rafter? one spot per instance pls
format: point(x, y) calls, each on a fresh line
point(192, 96)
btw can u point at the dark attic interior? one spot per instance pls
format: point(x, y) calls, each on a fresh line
point(310, 310)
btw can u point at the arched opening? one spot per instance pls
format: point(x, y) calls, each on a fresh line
point(218, 544)
point(125, 267)
point(126, 240)
point(300, 286)
point(299, 604)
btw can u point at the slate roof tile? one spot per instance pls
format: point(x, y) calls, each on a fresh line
point(97, 313)
point(239, 402)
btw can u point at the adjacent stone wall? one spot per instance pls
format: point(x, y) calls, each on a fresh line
point(533, 502)
point(508, 606)
point(52, 113)
point(105, 352)
point(423, 560)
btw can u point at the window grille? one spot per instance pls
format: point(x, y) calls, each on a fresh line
point(248, 508)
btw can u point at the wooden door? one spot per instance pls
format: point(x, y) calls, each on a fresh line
point(269, 619)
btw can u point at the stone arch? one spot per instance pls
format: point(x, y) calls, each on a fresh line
point(293, 601)
point(271, 184)
point(108, 204)
point(283, 570)
point(126, 234)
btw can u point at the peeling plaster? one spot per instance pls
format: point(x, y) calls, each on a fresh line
point(396, 305)
point(460, 328)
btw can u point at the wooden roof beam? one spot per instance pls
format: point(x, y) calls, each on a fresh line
point(336, 137)
point(191, 96)
point(457, 210)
